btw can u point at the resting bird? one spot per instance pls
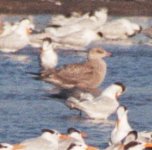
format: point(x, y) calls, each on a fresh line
point(119, 29)
point(122, 128)
point(87, 75)
point(130, 142)
point(18, 38)
point(75, 135)
point(102, 106)
point(75, 142)
point(48, 140)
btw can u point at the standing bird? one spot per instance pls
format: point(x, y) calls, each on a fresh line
point(87, 75)
point(102, 106)
point(122, 126)
point(48, 56)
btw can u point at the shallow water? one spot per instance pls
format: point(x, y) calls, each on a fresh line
point(25, 107)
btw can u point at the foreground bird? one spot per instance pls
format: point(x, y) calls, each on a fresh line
point(75, 142)
point(122, 128)
point(101, 107)
point(48, 140)
point(6, 146)
point(130, 142)
point(87, 75)
point(18, 38)
point(79, 146)
point(75, 137)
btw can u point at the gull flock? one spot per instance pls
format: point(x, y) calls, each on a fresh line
point(80, 81)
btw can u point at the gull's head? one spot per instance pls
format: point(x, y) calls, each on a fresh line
point(101, 12)
point(115, 90)
point(98, 53)
point(137, 28)
point(27, 25)
point(47, 44)
point(53, 135)
point(50, 134)
point(77, 134)
point(121, 111)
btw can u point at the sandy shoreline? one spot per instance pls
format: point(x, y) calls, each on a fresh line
point(116, 7)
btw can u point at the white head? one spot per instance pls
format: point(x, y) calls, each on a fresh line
point(47, 44)
point(102, 14)
point(122, 126)
point(50, 135)
point(76, 134)
point(121, 112)
point(131, 28)
point(136, 27)
point(6, 146)
point(53, 136)
point(114, 91)
point(25, 26)
point(77, 146)
point(122, 122)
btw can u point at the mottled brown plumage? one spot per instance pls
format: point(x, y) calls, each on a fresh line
point(87, 75)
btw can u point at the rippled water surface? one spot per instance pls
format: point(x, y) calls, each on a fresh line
point(25, 107)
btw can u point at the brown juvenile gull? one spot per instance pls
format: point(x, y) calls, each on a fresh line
point(87, 75)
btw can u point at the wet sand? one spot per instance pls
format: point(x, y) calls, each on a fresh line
point(116, 7)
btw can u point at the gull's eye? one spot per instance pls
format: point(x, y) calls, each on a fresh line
point(99, 51)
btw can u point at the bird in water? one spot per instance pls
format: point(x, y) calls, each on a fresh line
point(87, 75)
point(102, 106)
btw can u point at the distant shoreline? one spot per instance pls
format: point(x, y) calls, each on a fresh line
point(115, 7)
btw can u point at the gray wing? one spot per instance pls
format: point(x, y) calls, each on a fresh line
point(103, 105)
